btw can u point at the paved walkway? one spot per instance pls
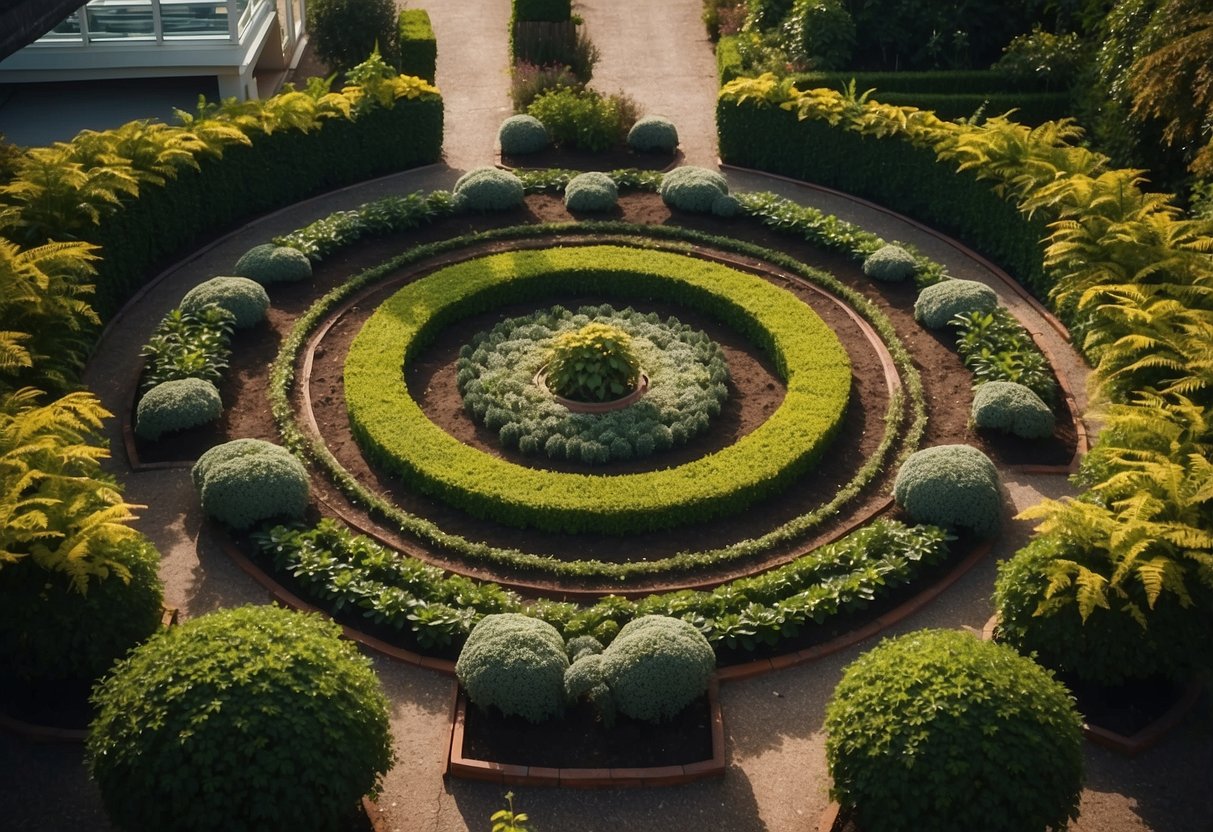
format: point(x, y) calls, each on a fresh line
point(776, 778)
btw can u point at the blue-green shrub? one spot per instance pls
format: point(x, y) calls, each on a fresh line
point(657, 666)
point(938, 730)
point(726, 206)
point(653, 134)
point(1013, 408)
point(591, 191)
point(515, 664)
point(248, 480)
point(488, 189)
point(246, 299)
point(177, 405)
point(581, 646)
point(937, 305)
point(890, 264)
point(951, 485)
point(692, 188)
point(522, 134)
point(268, 263)
point(245, 719)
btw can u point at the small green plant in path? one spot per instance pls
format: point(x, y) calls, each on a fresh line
point(507, 820)
point(593, 364)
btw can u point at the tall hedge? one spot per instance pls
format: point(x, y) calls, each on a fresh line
point(416, 44)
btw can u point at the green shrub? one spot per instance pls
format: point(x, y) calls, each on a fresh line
point(955, 486)
point(416, 44)
point(344, 32)
point(488, 189)
point(248, 480)
point(522, 134)
point(582, 119)
point(653, 134)
point(820, 34)
point(1111, 646)
point(51, 631)
point(1012, 408)
point(177, 405)
point(188, 345)
point(593, 364)
point(726, 206)
point(938, 730)
point(691, 188)
point(591, 192)
point(996, 347)
point(246, 299)
point(555, 43)
point(729, 64)
point(937, 305)
point(529, 80)
point(268, 263)
point(515, 664)
point(890, 264)
point(657, 666)
point(542, 9)
point(582, 646)
point(1044, 56)
point(243, 719)
point(766, 14)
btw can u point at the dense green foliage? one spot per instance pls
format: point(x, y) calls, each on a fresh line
point(890, 264)
point(691, 188)
point(590, 192)
point(389, 215)
point(819, 34)
point(656, 666)
point(416, 44)
point(344, 32)
point(653, 134)
point(188, 345)
point(488, 189)
point(248, 480)
point(937, 305)
point(268, 264)
point(1012, 408)
point(521, 134)
point(177, 405)
point(955, 486)
point(583, 118)
point(996, 347)
point(937, 730)
point(595, 363)
point(516, 665)
point(249, 718)
point(245, 299)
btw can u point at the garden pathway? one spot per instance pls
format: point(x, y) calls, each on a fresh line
point(776, 779)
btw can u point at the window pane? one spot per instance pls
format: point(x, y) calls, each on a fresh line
point(194, 18)
point(116, 19)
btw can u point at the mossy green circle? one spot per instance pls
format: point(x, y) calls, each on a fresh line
point(396, 434)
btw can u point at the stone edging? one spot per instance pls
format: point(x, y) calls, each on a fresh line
point(583, 778)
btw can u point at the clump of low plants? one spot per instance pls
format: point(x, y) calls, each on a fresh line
point(593, 364)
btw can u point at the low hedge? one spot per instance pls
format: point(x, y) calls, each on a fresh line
point(938, 82)
point(416, 44)
point(1031, 108)
point(728, 59)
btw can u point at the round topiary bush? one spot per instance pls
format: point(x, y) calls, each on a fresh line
point(346, 31)
point(1110, 647)
point(246, 299)
point(1012, 408)
point(243, 719)
point(50, 631)
point(657, 666)
point(937, 305)
point(248, 480)
point(488, 189)
point(522, 134)
point(653, 134)
point(515, 664)
point(595, 363)
point(890, 264)
point(177, 405)
point(938, 730)
point(951, 485)
point(268, 263)
point(592, 191)
point(726, 206)
point(691, 188)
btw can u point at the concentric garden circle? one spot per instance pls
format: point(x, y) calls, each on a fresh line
point(686, 369)
point(395, 432)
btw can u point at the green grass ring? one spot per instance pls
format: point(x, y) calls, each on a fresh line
point(395, 432)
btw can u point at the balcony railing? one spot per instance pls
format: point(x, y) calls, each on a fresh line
point(107, 21)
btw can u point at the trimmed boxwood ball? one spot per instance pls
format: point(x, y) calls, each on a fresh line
point(938, 730)
point(890, 264)
point(1012, 408)
point(726, 206)
point(653, 134)
point(951, 485)
point(938, 304)
point(691, 188)
point(488, 189)
point(246, 299)
point(248, 480)
point(177, 405)
point(591, 191)
point(268, 263)
point(252, 718)
point(50, 631)
point(1110, 647)
point(515, 664)
point(657, 666)
point(522, 134)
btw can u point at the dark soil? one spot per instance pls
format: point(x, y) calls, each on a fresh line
point(619, 158)
point(1125, 709)
point(579, 740)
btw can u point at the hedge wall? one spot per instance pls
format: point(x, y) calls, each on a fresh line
point(417, 44)
point(889, 171)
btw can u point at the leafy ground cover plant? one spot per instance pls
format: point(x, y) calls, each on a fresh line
point(595, 363)
point(996, 347)
point(584, 119)
point(188, 345)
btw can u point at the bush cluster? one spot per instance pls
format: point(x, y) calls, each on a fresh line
point(691, 188)
point(177, 405)
point(653, 134)
point(956, 733)
point(245, 299)
point(1012, 408)
point(656, 666)
point(583, 118)
point(937, 305)
point(996, 347)
point(488, 189)
point(515, 664)
point(819, 34)
point(890, 264)
point(593, 363)
point(956, 486)
point(389, 215)
point(248, 480)
point(591, 192)
point(522, 134)
point(268, 263)
point(243, 719)
point(344, 32)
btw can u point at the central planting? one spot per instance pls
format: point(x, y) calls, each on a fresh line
point(593, 364)
point(398, 436)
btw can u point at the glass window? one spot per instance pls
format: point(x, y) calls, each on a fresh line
point(66, 32)
point(120, 19)
point(193, 18)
